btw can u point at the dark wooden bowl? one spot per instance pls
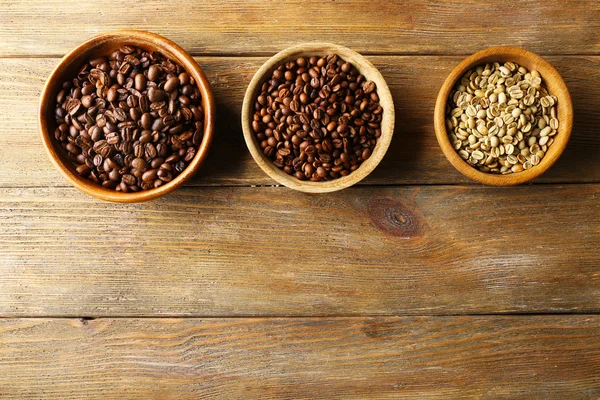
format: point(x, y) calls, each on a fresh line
point(103, 45)
point(319, 49)
point(553, 82)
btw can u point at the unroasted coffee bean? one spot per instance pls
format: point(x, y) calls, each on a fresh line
point(130, 121)
point(317, 118)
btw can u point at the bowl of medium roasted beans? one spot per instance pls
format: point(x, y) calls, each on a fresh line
point(503, 116)
point(127, 116)
point(318, 117)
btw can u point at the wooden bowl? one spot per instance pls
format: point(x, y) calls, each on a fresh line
point(553, 82)
point(103, 45)
point(365, 68)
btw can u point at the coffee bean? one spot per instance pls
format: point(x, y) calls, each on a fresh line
point(149, 175)
point(150, 151)
point(157, 162)
point(171, 84)
point(187, 90)
point(165, 175)
point(154, 72)
point(128, 179)
point(184, 78)
point(124, 118)
point(146, 120)
point(197, 138)
point(109, 184)
point(83, 170)
point(157, 124)
point(111, 95)
point(190, 154)
point(114, 175)
point(155, 95)
point(139, 164)
point(140, 82)
point(87, 101)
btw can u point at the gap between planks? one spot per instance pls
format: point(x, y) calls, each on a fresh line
point(269, 54)
point(470, 185)
point(304, 317)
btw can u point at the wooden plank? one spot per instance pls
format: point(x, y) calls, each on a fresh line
point(550, 357)
point(414, 156)
point(53, 27)
point(270, 251)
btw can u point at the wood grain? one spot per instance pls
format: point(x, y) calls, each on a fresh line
point(551, 357)
point(53, 27)
point(274, 252)
point(414, 156)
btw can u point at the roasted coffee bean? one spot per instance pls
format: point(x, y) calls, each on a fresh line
point(140, 82)
point(83, 170)
point(157, 162)
point(317, 118)
point(165, 175)
point(156, 95)
point(154, 72)
point(171, 84)
point(128, 179)
point(150, 175)
point(124, 118)
point(139, 164)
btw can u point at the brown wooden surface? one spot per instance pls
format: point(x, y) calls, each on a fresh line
point(549, 357)
point(52, 27)
point(269, 251)
point(414, 156)
point(266, 293)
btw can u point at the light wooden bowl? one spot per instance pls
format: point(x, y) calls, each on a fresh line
point(553, 82)
point(364, 67)
point(103, 45)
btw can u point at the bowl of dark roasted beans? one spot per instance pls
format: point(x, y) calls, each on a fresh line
point(127, 116)
point(318, 117)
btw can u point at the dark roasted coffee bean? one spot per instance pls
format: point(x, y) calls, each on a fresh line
point(197, 138)
point(180, 166)
point(190, 154)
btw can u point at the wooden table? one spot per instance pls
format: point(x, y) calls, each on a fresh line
point(417, 283)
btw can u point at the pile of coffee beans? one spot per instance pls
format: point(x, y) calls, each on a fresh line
point(317, 118)
point(131, 121)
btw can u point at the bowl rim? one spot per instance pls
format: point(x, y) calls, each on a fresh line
point(548, 72)
point(153, 41)
point(319, 48)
